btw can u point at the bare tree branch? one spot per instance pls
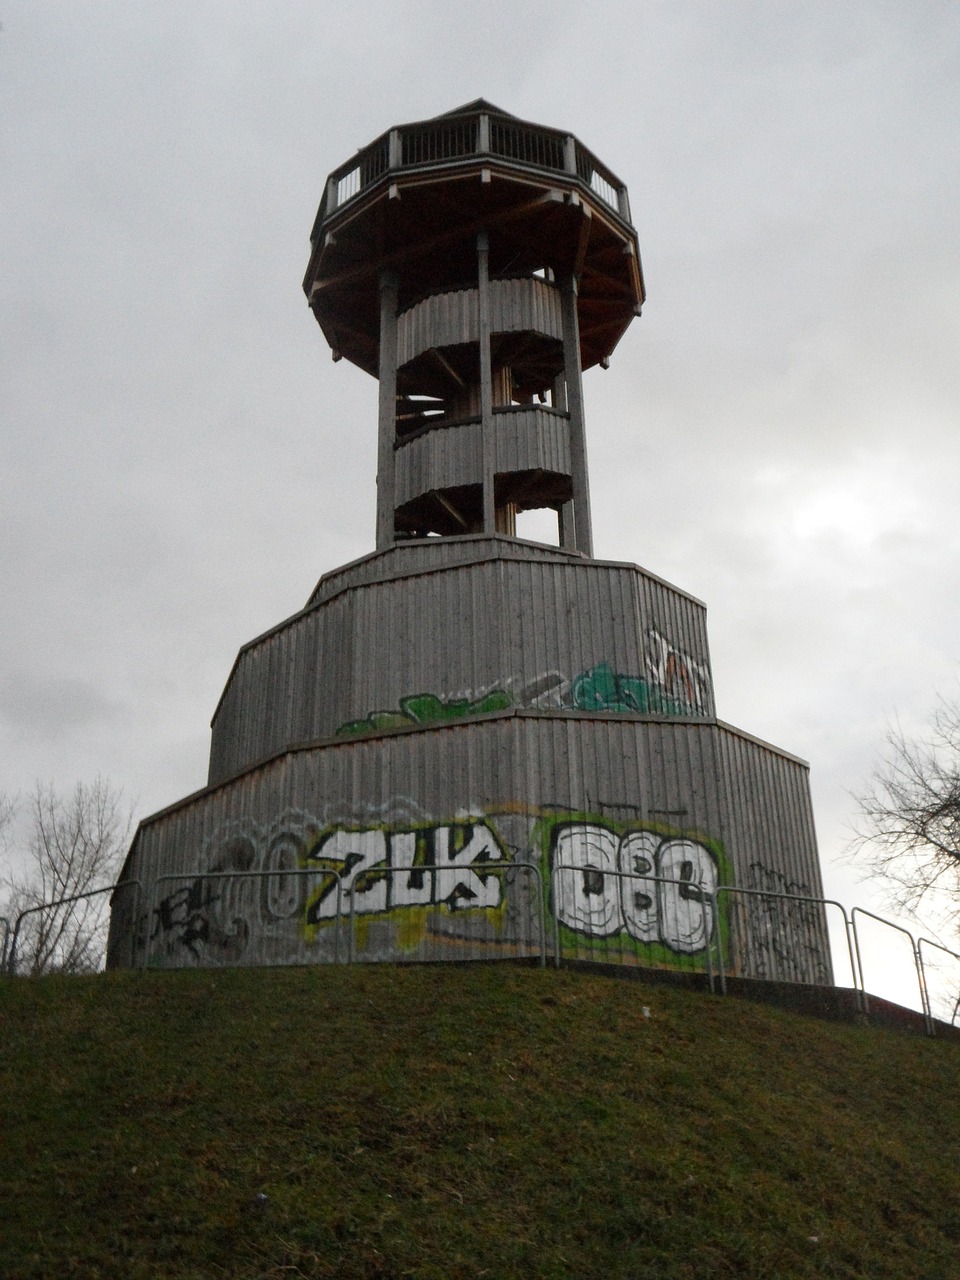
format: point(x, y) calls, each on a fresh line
point(908, 831)
point(74, 844)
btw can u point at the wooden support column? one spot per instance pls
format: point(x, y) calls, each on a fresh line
point(578, 442)
point(566, 531)
point(386, 458)
point(486, 384)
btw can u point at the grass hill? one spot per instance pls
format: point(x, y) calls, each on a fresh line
point(463, 1122)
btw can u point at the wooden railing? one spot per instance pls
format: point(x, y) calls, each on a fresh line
point(451, 139)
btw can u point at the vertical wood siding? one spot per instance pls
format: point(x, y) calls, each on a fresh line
point(513, 771)
point(452, 319)
point(523, 624)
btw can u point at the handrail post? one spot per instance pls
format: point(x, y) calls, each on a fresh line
point(856, 968)
point(917, 963)
point(705, 896)
point(394, 150)
point(570, 155)
point(554, 900)
point(924, 994)
point(953, 955)
point(336, 923)
point(865, 1003)
point(721, 888)
point(542, 913)
point(12, 955)
point(133, 931)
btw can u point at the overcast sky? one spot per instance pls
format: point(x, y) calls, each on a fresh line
point(180, 459)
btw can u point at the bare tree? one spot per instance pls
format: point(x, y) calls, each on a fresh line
point(73, 844)
point(8, 808)
point(908, 832)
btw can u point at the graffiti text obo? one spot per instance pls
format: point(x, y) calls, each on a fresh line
point(659, 889)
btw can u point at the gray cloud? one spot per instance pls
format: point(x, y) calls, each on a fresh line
point(52, 707)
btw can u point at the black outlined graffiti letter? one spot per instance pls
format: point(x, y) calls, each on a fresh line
point(353, 853)
point(587, 899)
point(638, 854)
point(686, 915)
point(455, 848)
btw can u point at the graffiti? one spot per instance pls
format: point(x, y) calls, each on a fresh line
point(784, 938)
point(427, 708)
point(631, 889)
point(603, 689)
point(209, 917)
point(678, 675)
point(273, 889)
point(652, 888)
point(672, 685)
point(189, 916)
point(383, 870)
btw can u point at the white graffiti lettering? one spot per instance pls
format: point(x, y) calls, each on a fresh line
point(655, 888)
point(385, 869)
point(677, 673)
point(638, 896)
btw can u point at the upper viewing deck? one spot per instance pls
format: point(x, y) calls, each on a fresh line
point(415, 199)
point(478, 131)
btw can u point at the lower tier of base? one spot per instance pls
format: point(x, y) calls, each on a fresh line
point(639, 840)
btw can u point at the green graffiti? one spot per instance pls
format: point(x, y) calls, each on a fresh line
point(674, 686)
point(603, 689)
point(428, 708)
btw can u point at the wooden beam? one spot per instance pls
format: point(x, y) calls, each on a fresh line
point(447, 366)
point(449, 508)
point(386, 464)
point(487, 427)
point(583, 240)
point(466, 229)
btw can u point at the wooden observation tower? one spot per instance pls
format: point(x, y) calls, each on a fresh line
point(476, 264)
point(467, 743)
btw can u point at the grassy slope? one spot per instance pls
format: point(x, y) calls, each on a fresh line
point(442, 1122)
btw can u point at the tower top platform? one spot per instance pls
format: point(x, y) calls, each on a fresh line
point(414, 199)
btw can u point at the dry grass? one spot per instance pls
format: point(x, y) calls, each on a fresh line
point(462, 1122)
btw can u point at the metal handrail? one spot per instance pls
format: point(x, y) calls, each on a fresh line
point(924, 1002)
point(940, 947)
point(256, 875)
point(800, 897)
point(60, 902)
point(706, 895)
point(501, 866)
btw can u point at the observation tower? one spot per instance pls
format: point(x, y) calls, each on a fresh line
point(476, 265)
point(468, 745)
